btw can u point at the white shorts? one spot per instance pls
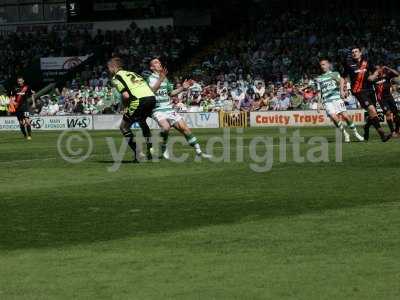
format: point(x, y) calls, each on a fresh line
point(171, 116)
point(335, 107)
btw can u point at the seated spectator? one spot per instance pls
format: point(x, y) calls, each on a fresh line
point(274, 102)
point(228, 104)
point(247, 103)
point(257, 103)
point(297, 99)
point(265, 102)
point(284, 102)
point(259, 89)
point(238, 94)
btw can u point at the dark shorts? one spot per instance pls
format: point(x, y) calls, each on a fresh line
point(144, 111)
point(21, 115)
point(366, 98)
point(388, 105)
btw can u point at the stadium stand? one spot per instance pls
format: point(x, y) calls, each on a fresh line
point(266, 64)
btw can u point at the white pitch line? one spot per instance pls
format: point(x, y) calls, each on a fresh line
point(43, 159)
point(27, 160)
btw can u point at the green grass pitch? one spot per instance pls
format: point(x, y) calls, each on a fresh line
point(199, 230)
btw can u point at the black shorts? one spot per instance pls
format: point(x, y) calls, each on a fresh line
point(21, 115)
point(366, 98)
point(144, 110)
point(388, 105)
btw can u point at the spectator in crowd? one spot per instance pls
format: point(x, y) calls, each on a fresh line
point(267, 65)
point(4, 101)
point(284, 102)
point(247, 103)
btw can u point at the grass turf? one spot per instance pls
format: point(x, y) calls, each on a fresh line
point(199, 230)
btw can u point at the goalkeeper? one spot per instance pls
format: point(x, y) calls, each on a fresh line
point(139, 100)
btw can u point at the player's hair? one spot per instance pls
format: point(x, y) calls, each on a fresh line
point(153, 58)
point(324, 58)
point(355, 47)
point(117, 62)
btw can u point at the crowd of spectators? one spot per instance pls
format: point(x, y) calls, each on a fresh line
point(19, 50)
point(291, 43)
point(250, 95)
point(263, 65)
point(268, 64)
point(90, 91)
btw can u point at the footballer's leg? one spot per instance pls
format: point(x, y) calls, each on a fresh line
point(395, 115)
point(339, 124)
point(396, 118)
point(28, 125)
point(390, 121)
point(367, 101)
point(147, 135)
point(332, 112)
point(184, 129)
point(366, 127)
point(385, 106)
point(126, 131)
point(374, 119)
point(164, 134)
point(140, 115)
point(165, 127)
point(144, 111)
point(351, 125)
point(21, 121)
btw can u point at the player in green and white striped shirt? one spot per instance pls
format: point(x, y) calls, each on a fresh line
point(328, 85)
point(164, 114)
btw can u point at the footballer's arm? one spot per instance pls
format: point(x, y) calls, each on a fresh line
point(33, 100)
point(125, 98)
point(161, 77)
point(343, 88)
point(393, 71)
point(185, 85)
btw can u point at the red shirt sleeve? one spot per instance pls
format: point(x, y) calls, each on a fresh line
point(19, 97)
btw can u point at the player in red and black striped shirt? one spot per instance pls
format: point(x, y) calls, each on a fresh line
point(20, 105)
point(358, 69)
point(381, 79)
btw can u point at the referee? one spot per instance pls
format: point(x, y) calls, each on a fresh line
point(139, 100)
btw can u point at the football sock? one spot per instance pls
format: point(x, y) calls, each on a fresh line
point(397, 121)
point(375, 122)
point(149, 145)
point(390, 124)
point(147, 135)
point(23, 130)
point(351, 125)
point(192, 141)
point(353, 128)
point(341, 127)
point(164, 135)
point(368, 124)
point(29, 129)
point(130, 138)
